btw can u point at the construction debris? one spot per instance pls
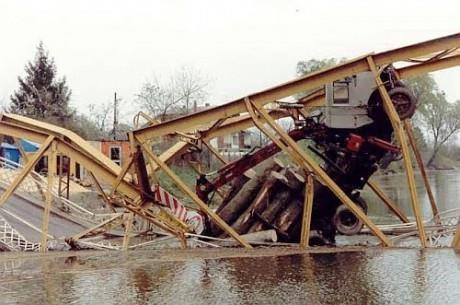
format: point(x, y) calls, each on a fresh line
point(363, 126)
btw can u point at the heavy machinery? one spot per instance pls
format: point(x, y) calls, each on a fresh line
point(364, 106)
point(353, 137)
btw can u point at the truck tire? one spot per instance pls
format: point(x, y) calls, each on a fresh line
point(404, 102)
point(346, 222)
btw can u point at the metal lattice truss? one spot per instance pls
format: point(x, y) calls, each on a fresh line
point(12, 240)
point(255, 110)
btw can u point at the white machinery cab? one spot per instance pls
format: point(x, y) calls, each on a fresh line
point(346, 101)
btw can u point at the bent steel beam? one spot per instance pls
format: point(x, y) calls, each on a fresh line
point(291, 147)
point(310, 81)
point(399, 131)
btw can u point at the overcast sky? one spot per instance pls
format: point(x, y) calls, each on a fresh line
point(241, 46)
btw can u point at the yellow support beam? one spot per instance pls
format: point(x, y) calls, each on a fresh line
point(456, 240)
point(101, 191)
point(421, 166)
point(121, 175)
point(26, 170)
point(52, 156)
point(388, 202)
point(128, 227)
point(184, 188)
point(307, 211)
point(295, 152)
point(302, 84)
point(399, 132)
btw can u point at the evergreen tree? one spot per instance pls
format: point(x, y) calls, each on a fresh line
point(40, 94)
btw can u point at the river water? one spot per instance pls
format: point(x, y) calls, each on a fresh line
point(392, 276)
point(368, 276)
point(445, 186)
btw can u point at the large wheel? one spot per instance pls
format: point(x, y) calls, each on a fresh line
point(404, 102)
point(346, 222)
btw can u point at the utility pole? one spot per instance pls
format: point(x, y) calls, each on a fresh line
point(115, 116)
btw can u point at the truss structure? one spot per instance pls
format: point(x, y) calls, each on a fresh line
point(257, 110)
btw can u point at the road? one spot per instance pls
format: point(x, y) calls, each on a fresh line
point(25, 215)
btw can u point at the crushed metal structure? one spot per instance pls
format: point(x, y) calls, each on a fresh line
point(134, 199)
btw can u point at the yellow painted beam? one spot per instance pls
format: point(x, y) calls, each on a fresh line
point(421, 166)
point(52, 156)
point(388, 202)
point(307, 212)
point(428, 67)
point(306, 159)
point(456, 240)
point(399, 132)
point(184, 188)
point(128, 227)
point(98, 170)
point(310, 81)
point(101, 191)
point(121, 176)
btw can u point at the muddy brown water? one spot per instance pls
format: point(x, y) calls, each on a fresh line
point(445, 186)
point(237, 276)
point(373, 276)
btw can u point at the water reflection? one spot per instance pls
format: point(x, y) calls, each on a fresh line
point(445, 186)
point(399, 276)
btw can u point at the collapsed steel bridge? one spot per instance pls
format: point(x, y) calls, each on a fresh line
point(260, 110)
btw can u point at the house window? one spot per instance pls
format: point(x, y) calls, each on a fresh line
point(227, 141)
point(236, 140)
point(115, 154)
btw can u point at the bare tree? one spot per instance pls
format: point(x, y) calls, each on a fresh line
point(190, 86)
point(176, 96)
point(101, 114)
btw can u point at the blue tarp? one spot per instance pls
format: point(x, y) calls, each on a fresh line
point(29, 146)
point(10, 152)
